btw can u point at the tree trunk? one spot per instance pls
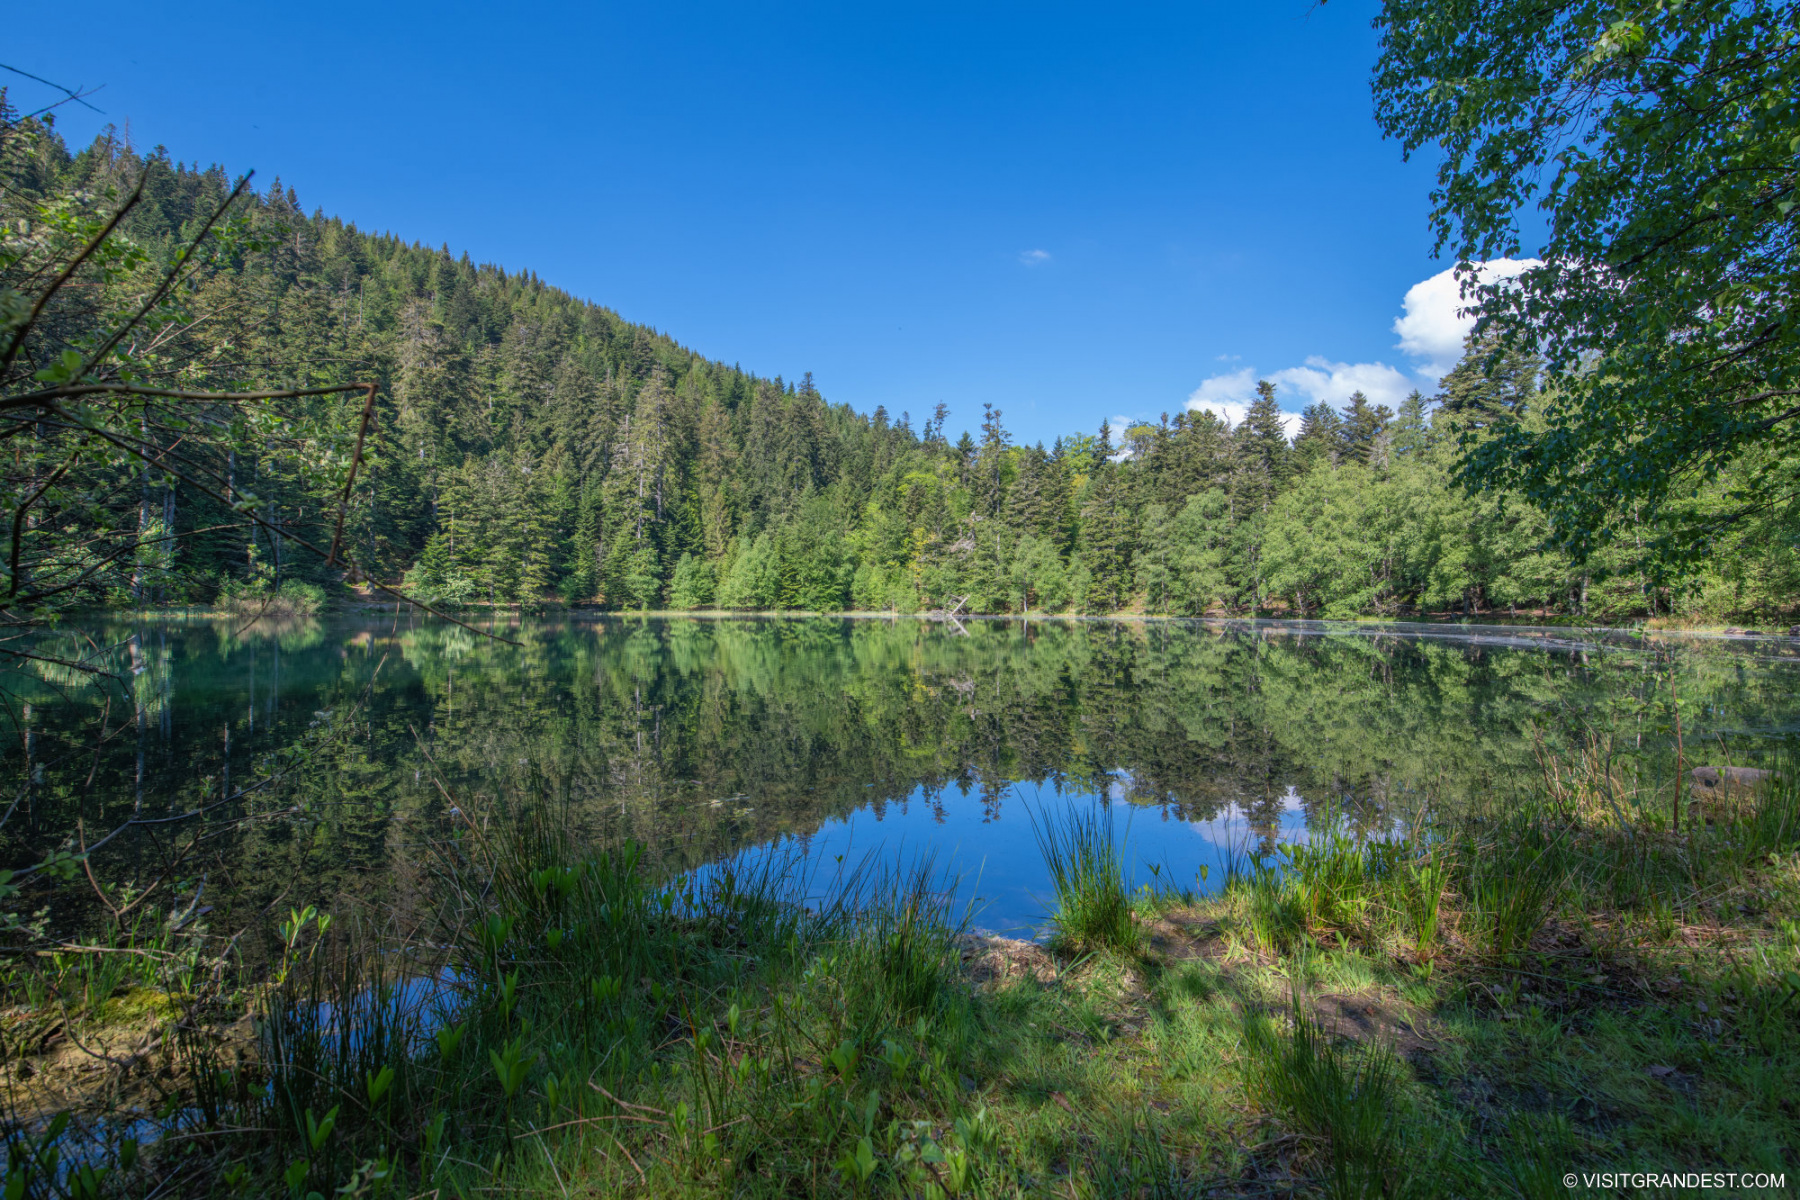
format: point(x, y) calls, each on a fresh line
point(166, 552)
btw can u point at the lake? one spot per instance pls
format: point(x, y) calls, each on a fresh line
point(320, 763)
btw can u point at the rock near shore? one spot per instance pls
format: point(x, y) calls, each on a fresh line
point(1716, 782)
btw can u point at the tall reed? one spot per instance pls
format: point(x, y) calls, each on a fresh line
point(1087, 869)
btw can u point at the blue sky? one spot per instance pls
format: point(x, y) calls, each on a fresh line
point(1071, 212)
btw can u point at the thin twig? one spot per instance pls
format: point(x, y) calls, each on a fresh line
point(71, 391)
point(625, 1103)
point(642, 1179)
point(18, 338)
point(19, 516)
point(74, 94)
point(592, 1120)
point(98, 356)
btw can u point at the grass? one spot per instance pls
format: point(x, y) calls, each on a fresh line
point(1094, 908)
point(1511, 882)
point(1472, 1011)
point(1346, 1096)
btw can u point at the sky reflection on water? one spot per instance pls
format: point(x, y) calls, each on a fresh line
point(993, 856)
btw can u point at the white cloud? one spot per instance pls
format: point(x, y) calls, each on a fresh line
point(1431, 330)
point(1239, 387)
point(1034, 258)
point(1333, 382)
point(1434, 324)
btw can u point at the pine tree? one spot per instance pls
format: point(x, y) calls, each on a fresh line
point(1491, 382)
point(1363, 427)
point(643, 575)
point(1200, 533)
point(993, 463)
point(1412, 433)
point(1106, 541)
point(1320, 437)
point(1264, 437)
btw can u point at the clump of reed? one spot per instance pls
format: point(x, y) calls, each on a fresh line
point(1339, 885)
point(1275, 915)
point(1086, 862)
point(1512, 881)
point(1348, 1097)
point(1390, 893)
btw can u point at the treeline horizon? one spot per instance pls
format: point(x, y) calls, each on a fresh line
point(531, 448)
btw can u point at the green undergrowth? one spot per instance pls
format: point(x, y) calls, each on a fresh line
point(1475, 1010)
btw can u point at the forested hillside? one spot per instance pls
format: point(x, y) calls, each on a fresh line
point(532, 448)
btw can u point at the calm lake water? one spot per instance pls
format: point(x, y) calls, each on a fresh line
point(829, 739)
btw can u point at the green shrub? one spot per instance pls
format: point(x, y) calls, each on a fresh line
point(294, 598)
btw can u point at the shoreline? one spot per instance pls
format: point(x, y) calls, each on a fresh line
point(1304, 624)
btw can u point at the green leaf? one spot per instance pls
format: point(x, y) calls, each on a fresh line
point(449, 1038)
point(319, 1132)
point(65, 368)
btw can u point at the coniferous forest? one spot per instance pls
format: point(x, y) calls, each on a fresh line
point(530, 448)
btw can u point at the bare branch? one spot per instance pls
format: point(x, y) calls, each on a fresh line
point(19, 517)
point(75, 94)
point(174, 273)
point(355, 461)
point(75, 390)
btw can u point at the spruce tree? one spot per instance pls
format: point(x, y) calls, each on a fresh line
point(1263, 435)
point(1363, 426)
point(1319, 440)
point(1493, 381)
point(1412, 433)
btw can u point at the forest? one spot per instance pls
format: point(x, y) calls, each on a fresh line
point(528, 448)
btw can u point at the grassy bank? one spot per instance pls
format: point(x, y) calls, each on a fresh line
point(1535, 989)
